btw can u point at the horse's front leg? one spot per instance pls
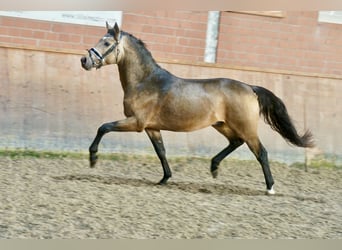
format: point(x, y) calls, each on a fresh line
point(158, 145)
point(126, 125)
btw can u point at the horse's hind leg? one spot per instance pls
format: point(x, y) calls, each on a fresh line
point(158, 145)
point(215, 162)
point(261, 154)
point(234, 143)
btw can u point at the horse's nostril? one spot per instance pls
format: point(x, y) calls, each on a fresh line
point(83, 60)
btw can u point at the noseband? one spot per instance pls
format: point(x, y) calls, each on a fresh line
point(100, 58)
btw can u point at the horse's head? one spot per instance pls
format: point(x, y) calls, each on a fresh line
point(107, 51)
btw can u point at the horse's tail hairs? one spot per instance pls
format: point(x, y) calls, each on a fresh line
point(275, 114)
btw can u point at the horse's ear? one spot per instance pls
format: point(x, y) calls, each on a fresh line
point(116, 31)
point(108, 26)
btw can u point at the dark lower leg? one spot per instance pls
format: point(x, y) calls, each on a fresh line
point(215, 162)
point(129, 124)
point(261, 154)
point(105, 128)
point(158, 145)
point(263, 159)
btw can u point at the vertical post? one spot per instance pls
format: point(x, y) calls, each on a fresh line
point(212, 36)
point(306, 150)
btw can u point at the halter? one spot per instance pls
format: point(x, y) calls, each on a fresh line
point(100, 58)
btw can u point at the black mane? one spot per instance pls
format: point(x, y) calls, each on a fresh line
point(140, 46)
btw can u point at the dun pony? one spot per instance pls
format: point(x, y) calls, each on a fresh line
point(155, 100)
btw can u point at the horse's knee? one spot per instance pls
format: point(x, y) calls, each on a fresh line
point(105, 128)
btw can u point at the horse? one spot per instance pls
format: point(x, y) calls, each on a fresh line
point(155, 100)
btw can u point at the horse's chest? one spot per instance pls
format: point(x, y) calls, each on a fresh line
point(137, 105)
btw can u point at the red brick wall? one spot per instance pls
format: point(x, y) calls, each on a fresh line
point(168, 34)
point(296, 42)
point(43, 34)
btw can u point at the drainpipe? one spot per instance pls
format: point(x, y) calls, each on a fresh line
point(212, 36)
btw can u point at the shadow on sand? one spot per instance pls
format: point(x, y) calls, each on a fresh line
point(190, 187)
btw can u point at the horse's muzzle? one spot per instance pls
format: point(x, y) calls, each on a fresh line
point(86, 63)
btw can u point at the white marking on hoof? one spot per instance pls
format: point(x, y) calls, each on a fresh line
point(270, 191)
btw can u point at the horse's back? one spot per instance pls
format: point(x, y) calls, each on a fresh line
point(226, 96)
point(234, 93)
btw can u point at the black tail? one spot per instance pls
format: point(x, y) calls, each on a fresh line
point(275, 114)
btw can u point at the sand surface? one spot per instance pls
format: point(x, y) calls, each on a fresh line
point(64, 198)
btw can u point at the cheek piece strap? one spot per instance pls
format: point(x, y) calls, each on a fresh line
point(98, 63)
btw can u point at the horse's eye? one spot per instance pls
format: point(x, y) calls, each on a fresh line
point(106, 44)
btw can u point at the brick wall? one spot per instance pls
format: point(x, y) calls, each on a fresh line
point(51, 35)
point(295, 42)
point(170, 35)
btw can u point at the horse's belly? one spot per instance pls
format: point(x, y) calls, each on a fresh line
point(187, 116)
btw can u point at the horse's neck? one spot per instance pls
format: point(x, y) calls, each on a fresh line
point(134, 69)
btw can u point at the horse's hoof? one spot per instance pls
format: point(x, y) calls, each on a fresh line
point(162, 182)
point(214, 173)
point(270, 191)
point(93, 160)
